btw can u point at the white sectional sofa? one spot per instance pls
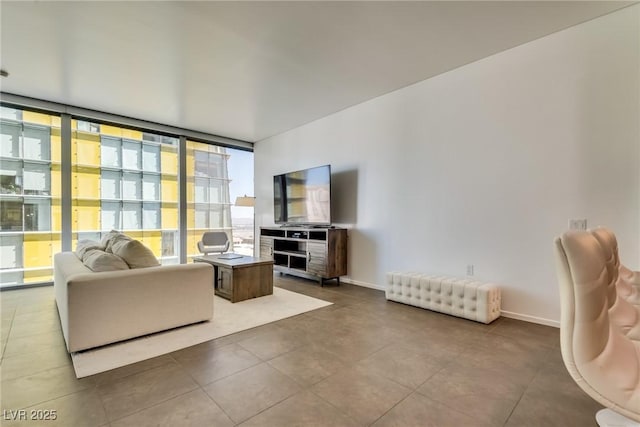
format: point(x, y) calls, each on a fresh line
point(98, 308)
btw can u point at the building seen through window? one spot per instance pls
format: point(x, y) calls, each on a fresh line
point(127, 180)
point(29, 195)
point(121, 178)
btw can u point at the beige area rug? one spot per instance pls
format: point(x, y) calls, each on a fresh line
point(228, 318)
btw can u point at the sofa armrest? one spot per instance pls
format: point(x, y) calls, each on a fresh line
point(65, 264)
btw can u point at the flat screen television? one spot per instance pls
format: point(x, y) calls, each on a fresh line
point(303, 197)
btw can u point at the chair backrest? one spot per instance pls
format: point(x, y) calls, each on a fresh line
point(609, 243)
point(215, 238)
point(605, 234)
point(601, 359)
point(214, 241)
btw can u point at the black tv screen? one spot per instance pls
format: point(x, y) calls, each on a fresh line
point(303, 197)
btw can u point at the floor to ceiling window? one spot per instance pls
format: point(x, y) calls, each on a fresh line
point(208, 204)
point(119, 177)
point(126, 180)
point(215, 177)
point(240, 167)
point(29, 195)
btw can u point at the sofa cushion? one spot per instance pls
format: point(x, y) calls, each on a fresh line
point(85, 245)
point(112, 237)
point(98, 260)
point(134, 253)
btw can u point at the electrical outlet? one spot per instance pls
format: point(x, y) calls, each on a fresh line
point(470, 270)
point(577, 224)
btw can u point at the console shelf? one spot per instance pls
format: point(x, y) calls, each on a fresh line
point(319, 253)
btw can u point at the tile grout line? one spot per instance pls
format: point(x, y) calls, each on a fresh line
point(524, 391)
point(218, 405)
point(6, 341)
point(55, 398)
point(396, 404)
point(145, 407)
point(331, 404)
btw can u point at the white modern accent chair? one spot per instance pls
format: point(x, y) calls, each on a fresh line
point(214, 242)
point(600, 356)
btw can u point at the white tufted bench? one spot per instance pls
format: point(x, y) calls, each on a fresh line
point(458, 297)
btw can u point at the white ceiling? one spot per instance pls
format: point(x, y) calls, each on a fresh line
point(249, 70)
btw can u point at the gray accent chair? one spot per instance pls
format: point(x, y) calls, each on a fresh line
point(214, 242)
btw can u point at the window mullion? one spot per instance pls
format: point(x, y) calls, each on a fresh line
point(182, 197)
point(65, 171)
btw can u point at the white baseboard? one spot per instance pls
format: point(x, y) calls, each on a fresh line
point(532, 319)
point(363, 284)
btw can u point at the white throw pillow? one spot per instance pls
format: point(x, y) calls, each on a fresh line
point(98, 260)
point(136, 254)
point(85, 245)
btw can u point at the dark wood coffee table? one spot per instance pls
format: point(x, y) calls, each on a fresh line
point(241, 277)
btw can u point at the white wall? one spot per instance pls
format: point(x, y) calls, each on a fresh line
point(485, 164)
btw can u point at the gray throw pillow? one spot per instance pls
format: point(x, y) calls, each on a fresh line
point(109, 239)
point(135, 253)
point(84, 245)
point(98, 260)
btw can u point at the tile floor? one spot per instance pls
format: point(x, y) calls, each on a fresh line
point(362, 361)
